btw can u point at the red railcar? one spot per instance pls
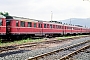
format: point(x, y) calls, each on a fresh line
point(30, 27)
point(24, 27)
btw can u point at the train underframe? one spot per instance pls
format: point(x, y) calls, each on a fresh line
point(48, 35)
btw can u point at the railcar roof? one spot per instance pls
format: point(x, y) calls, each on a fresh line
point(1, 16)
point(25, 19)
point(47, 22)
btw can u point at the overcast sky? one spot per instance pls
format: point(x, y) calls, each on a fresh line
point(41, 9)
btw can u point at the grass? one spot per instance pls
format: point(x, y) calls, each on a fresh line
point(20, 42)
point(64, 37)
point(28, 40)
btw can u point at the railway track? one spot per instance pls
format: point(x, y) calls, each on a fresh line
point(73, 49)
point(13, 47)
point(74, 53)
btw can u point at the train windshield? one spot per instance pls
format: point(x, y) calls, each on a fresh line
point(8, 22)
point(0, 22)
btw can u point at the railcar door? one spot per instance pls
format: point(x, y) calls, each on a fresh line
point(8, 23)
point(64, 29)
point(40, 26)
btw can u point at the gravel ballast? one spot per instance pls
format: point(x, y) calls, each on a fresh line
point(24, 54)
point(84, 55)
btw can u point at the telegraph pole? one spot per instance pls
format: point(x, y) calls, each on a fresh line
point(70, 21)
point(51, 15)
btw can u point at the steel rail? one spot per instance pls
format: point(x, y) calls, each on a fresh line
point(58, 50)
point(74, 53)
point(15, 47)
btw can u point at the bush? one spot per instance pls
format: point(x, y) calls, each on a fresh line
point(0, 40)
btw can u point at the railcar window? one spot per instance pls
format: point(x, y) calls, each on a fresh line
point(56, 26)
point(50, 26)
point(72, 28)
point(69, 28)
point(22, 24)
point(40, 25)
point(16, 23)
point(45, 25)
point(60, 27)
point(53, 26)
point(29, 24)
point(0, 22)
point(35, 25)
point(8, 22)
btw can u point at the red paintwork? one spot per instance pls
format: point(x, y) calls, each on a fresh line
point(3, 27)
point(24, 30)
point(33, 30)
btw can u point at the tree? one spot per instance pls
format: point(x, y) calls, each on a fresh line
point(4, 14)
point(1, 13)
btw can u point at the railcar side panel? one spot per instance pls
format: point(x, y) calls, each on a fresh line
point(2, 26)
